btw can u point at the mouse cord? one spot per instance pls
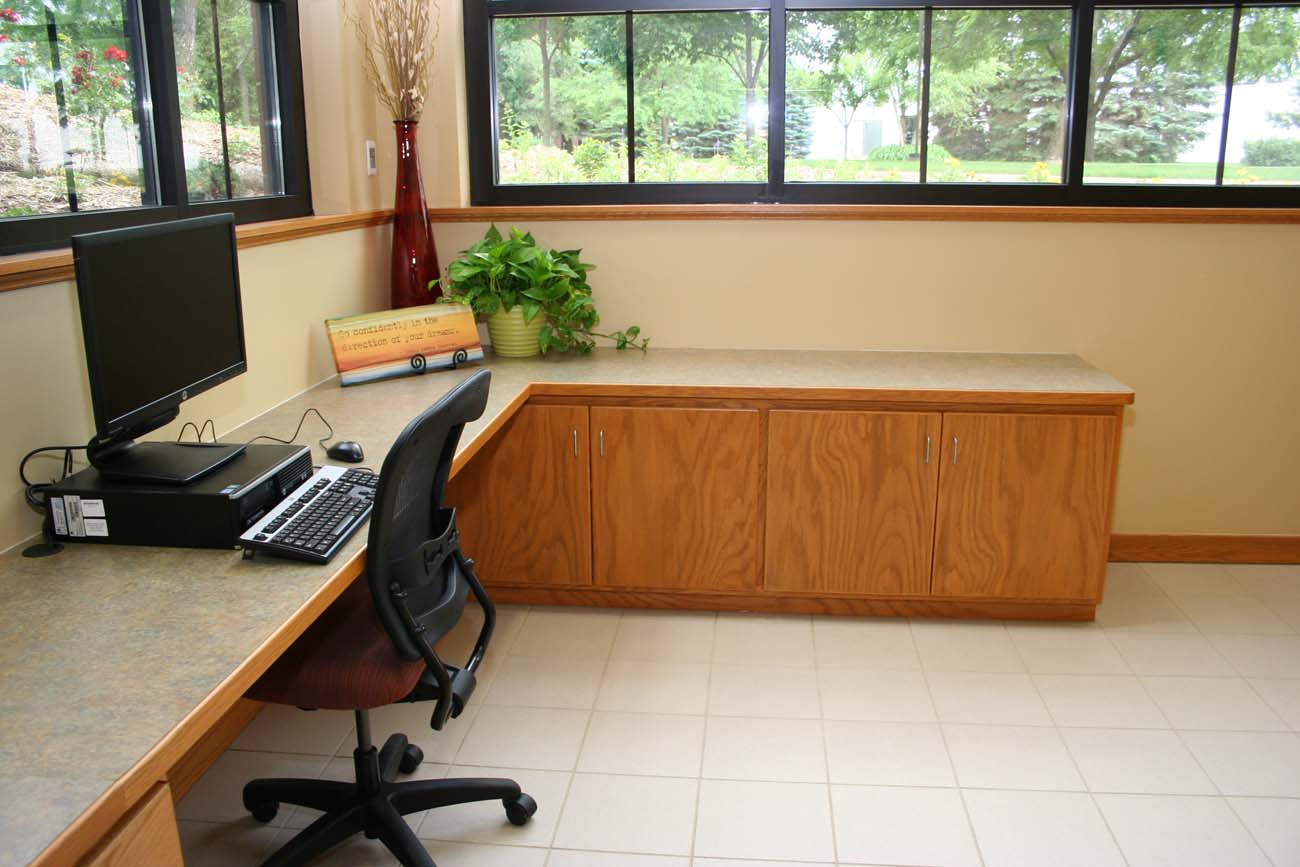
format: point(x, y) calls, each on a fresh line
point(311, 409)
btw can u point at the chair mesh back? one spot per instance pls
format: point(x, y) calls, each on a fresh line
point(409, 525)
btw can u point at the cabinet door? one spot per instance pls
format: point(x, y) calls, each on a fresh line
point(850, 501)
point(675, 498)
point(1023, 506)
point(524, 505)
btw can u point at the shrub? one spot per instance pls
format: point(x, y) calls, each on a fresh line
point(1272, 152)
point(590, 157)
point(898, 153)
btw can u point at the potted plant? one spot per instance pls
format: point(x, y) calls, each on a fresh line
point(533, 299)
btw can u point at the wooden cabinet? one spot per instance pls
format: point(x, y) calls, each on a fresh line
point(146, 835)
point(865, 507)
point(1024, 505)
point(850, 501)
point(524, 500)
point(676, 500)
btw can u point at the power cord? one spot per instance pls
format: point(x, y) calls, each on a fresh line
point(198, 431)
point(32, 489)
point(212, 429)
point(291, 440)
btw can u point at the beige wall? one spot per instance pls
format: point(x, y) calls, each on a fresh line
point(1202, 321)
point(288, 289)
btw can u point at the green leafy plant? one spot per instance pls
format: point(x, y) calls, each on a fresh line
point(499, 272)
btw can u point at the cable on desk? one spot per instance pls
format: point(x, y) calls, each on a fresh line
point(290, 441)
point(198, 431)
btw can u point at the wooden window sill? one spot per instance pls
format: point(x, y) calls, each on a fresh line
point(53, 266)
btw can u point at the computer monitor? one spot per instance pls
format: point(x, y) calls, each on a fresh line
point(162, 321)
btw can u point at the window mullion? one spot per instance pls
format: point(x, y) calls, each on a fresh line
point(1080, 93)
point(157, 21)
point(132, 15)
point(629, 60)
point(923, 110)
point(1227, 94)
point(776, 49)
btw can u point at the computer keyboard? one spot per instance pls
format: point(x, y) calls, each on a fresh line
point(317, 518)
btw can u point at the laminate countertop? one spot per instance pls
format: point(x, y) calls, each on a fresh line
point(105, 650)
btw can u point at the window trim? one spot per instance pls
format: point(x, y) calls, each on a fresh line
point(481, 112)
point(46, 231)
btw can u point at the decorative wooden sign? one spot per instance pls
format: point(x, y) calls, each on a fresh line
point(399, 342)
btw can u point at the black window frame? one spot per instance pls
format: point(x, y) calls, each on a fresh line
point(482, 119)
point(167, 162)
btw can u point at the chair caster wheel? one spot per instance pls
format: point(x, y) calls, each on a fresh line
point(521, 809)
point(263, 811)
point(411, 758)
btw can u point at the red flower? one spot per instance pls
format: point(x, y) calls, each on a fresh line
point(4, 37)
point(20, 61)
point(83, 55)
point(180, 70)
point(116, 81)
point(7, 14)
point(112, 52)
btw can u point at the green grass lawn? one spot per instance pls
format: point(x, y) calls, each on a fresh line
point(1012, 171)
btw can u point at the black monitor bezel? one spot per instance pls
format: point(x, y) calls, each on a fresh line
point(157, 413)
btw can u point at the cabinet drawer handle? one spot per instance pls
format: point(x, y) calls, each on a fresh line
point(575, 442)
point(954, 451)
point(927, 448)
point(602, 444)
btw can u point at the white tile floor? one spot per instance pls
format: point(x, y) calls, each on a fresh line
point(1164, 734)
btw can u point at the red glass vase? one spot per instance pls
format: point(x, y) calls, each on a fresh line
point(415, 261)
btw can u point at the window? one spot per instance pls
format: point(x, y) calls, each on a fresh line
point(1051, 102)
point(123, 112)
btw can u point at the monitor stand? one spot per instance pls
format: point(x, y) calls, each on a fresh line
point(163, 463)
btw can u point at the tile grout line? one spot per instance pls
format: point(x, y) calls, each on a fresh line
point(582, 744)
point(704, 741)
point(943, 736)
point(1056, 727)
point(821, 729)
point(1178, 734)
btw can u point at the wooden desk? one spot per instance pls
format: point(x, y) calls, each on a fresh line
point(118, 661)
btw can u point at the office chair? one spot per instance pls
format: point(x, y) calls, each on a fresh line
point(375, 646)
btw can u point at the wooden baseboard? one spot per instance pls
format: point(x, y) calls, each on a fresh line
point(1203, 548)
point(186, 772)
point(787, 603)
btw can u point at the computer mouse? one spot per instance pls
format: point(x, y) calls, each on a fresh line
point(346, 451)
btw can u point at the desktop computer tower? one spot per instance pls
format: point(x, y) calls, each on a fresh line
point(211, 512)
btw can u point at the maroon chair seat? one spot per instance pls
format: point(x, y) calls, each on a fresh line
point(344, 661)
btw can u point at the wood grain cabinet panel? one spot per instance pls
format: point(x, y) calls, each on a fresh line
point(1024, 506)
point(850, 501)
point(524, 502)
point(676, 498)
point(146, 835)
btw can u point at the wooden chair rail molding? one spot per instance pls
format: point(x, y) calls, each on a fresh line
point(53, 266)
point(34, 269)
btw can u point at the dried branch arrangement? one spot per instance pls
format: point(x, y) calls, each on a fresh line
point(397, 50)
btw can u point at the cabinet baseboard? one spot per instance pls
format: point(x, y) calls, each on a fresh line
point(1203, 548)
point(788, 603)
